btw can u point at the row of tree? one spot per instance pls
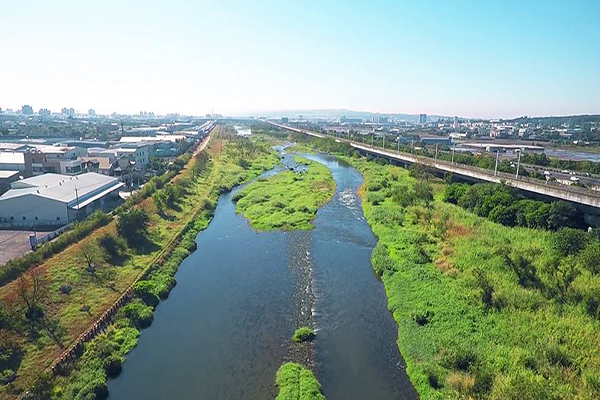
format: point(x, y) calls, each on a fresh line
point(502, 204)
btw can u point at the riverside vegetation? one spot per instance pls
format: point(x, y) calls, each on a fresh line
point(287, 200)
point(484, 310)
point(46, 309)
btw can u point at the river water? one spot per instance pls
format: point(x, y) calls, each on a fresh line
point(226, 327)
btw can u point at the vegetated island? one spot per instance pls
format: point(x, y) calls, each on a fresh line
point(295, 382)
point(495, 295)
point(288, 200)
point(303, 334)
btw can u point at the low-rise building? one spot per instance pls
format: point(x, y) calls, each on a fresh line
point(12, 161)
point(55, 200)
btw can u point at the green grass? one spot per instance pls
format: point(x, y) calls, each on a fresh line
point(296, 382)
point(435, 259)
point(287, 200)
point(303, 334)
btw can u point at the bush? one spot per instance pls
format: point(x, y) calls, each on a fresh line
point(303, 334)
point(454, 191)
point(423, 191)
point(133, 226)
point(113, 245)
point(147, 291)
point(138, 312)
point(568, 241)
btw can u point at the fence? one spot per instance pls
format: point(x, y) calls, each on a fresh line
point(103, 321)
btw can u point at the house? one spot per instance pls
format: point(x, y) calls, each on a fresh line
point(101, 165)
point(55, 200)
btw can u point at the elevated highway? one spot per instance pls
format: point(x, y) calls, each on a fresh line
point(588, 199)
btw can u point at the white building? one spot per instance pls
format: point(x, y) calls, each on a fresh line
point(12, 161)
point(54, 199)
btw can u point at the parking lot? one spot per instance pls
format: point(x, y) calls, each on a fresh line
point(13, 244)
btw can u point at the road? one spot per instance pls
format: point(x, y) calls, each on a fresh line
point(582, 196)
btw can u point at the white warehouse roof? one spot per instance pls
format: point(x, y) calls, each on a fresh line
point(62, 187)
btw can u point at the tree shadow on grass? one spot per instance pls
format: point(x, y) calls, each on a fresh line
point(144, 246)
point(36, 330)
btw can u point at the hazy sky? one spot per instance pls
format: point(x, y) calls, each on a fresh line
point(469, 58)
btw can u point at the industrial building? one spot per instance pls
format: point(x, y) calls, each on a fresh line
point(55, 200)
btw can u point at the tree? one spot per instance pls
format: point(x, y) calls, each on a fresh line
point(563, 214)
point(133, 226)
point(89, 253)
point(30, 289)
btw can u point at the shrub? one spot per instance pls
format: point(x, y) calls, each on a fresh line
point(568, 241)
point(147, 291)
point(113, 245)
point(303, 334)
point(454, 191)
point(133, 225)
point(423, 191)
point(139, 313)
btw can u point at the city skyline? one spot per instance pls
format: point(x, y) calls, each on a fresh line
point(473, 60)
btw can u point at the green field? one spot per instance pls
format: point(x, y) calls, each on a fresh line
point(484, 311)
point(287, 200)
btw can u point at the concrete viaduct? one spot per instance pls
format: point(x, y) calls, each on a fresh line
point(588, 200)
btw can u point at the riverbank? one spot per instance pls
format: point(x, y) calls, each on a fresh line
point(287, 200)
point(67, 315)
point(470, 298)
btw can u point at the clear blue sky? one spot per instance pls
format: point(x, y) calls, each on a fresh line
point(468, 58)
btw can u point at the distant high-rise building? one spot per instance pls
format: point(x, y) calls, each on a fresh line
point(91, 112)
point(67, 111)
point(422, 118)
point(44, 112)
point(27, 110)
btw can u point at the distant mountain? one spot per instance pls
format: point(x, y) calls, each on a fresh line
point(336, 113)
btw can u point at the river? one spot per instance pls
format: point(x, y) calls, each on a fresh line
point(226, 327)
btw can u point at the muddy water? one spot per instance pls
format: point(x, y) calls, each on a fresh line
point(226, 326)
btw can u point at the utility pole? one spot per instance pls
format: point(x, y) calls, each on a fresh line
point(496, 167)
point(398, 144)
point(518, 165)
point(372, 139)
point(453, 147)
point(77, 197)
point(412, 146)
point(384, 140)
point(436, 151)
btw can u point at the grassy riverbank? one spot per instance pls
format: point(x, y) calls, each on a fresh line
point(484, 311)
point(287, 200)
point(34, 344)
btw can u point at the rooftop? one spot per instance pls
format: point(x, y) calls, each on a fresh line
point(63, 187)
point(9, 157)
